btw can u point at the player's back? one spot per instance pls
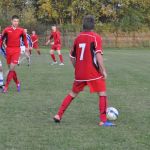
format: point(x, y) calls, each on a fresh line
point(86, 45)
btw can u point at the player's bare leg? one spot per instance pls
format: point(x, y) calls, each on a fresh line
point(19, 60)
point(11, 75)
point(60, 58)
point(53, 57)
point(27, 54)
point(38, 51)
point(30, 51)
point(66, 102)
point(102, 110)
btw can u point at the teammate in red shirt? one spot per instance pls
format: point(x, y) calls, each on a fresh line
point(35, 39)
point(56, 45)
point(86, 57)
point(11, 37)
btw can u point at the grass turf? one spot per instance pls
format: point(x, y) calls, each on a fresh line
point(26, 118)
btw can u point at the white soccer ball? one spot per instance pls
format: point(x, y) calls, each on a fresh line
point(112, 113)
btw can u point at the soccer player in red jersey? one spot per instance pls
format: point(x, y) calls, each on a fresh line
point(56, 45)
point(11, 36)
point(86, 57)
point(35, 39)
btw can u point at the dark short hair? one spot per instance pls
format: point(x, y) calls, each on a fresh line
point(88, 22)
point(54, 25)
point(15, 17)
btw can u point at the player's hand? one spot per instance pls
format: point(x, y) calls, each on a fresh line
point(104, 75)
point(47, 43)
point(52, 43)
point(5, 46)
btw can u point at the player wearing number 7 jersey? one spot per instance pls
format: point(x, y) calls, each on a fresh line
point(86, 57)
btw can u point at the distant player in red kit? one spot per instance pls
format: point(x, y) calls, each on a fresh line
point(86, 57)
point(35, 43)
point(11, 37)
point(56, 45)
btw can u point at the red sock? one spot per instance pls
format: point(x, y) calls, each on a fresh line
point(9, 78)
point(15, 78)
point(53, 57)
point(66, 102)
point(61, 58)
point(102, 108)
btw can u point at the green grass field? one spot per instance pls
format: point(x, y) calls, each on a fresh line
point(26, 118)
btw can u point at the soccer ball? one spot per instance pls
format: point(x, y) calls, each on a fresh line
point(112, 113)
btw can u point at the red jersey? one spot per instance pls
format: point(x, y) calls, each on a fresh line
point(85, 47)
point(56, 36)
point(13, 37)
point(34, 38)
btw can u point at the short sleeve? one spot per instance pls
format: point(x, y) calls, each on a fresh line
point(98, 44)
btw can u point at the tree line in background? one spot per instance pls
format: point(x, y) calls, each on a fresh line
point(111, 15)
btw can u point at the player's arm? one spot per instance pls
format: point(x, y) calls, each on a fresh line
point(99, 53)
point(73, 55)
point(4, 43)
point(48, 41)
point(101, 64)
point(58, 37)
point(50, 38)
point(3, 40)
point(2, 48)
point(73, 61)
point(3, 51)
point(24, 39)
point(35, 41)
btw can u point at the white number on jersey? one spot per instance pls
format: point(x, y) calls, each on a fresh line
point(82, 46)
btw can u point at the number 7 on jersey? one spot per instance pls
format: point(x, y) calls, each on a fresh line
point(82, 46)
